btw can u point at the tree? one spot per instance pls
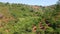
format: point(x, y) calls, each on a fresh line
point(7, 4)
point(58, 6)
point(57, 9)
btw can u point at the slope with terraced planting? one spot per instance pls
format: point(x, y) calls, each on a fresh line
point(29, 19)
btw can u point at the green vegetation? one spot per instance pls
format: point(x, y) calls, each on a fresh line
point(25, 19)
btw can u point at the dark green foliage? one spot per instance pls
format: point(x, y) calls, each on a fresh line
point(15, 33)
point(32, 10)
point(22, 9)
point(0, 32)
point(28, 30)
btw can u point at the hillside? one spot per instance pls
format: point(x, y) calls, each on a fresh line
point(28, 19)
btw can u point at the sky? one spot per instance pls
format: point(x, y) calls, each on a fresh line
point(32, 2)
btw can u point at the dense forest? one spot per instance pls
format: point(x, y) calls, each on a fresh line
point(29, 19)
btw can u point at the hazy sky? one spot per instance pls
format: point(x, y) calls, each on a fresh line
point(32, 2)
